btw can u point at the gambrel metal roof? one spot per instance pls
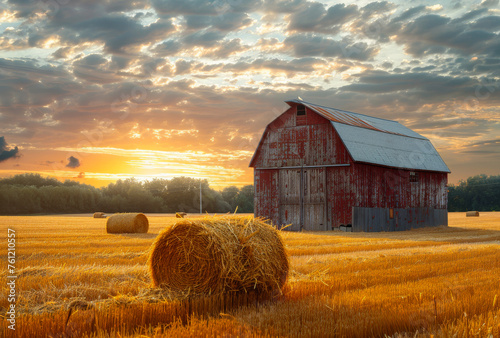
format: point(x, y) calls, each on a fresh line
point(379, 141)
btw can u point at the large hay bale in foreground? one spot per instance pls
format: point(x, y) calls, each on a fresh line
point(216, 255)
point(99, 214)
point(472, 214)
point(127, 223)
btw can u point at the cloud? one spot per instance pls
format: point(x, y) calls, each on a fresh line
point(471, 15)
point(5, 153)
point(90, 23)
point(424, 83)
point(487, 143)
point(488, 23)
point(205, 38)
point(119, 33)
point(224, 22)
point(282, 6)
point(73, 162)
point(316, 18)
point(167, 48)
point(377, 8)
point(30, 66)
point(95, 68)
point(483, 148)
point(409, 13)
point(205, 7)
point(302, 65)
point(436, 34)
point(489, 3)
point(316, 45)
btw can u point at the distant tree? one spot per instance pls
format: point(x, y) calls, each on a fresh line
point(245, 199)
point(32, 193)
point(129, 195)
point(157, 187)
point(183, 194)
point(31, 179)
point(230, 196)
point(481, 193)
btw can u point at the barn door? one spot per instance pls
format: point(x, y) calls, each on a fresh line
point(314, 200)
point(290, 198)
point(303, 199)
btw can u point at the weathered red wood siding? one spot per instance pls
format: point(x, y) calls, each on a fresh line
point(371, 186)
point(266, 196)
point(312, 143)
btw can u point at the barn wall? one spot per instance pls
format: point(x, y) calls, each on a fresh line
point(313, 142)
point(266, 196)
point(341, 195)
point(380, 187)
point(379, 219)
point(369, 186)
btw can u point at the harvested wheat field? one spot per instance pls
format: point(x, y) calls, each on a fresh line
point(76, 280)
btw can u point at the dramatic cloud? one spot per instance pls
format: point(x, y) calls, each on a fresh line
point(317, 18)
point(314, 45)
point(428, 85)
point(409, 13)
point(5, 153)
point(73, 162)
point(197, 75)
point(489, 3)
point(436, 34)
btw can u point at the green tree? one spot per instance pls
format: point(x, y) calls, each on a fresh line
point(245, 199)
point(480, 192)
point(230, 196)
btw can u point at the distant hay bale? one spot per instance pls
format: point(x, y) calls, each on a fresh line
point(127, 223)
point(99, 215)
point(217, 255)
point(472, 214)
point(180, 214)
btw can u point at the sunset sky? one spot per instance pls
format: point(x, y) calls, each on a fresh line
point(96, 91)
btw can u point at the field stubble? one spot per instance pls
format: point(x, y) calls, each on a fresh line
point(75, 280)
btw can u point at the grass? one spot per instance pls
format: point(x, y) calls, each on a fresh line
point(440, 282)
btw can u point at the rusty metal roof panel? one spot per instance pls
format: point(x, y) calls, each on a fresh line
point(360, 120)
point(393, 150)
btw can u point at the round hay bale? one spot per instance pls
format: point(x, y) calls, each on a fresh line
point(216, 255)
point(127, 223)
point(472, 214)
point(99, 215)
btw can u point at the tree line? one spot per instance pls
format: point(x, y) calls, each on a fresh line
point(34, 194)
point(478, 193)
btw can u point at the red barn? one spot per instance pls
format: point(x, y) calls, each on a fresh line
point(320, 168)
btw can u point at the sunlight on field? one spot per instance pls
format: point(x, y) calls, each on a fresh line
point(442, 281)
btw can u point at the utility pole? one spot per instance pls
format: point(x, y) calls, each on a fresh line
point(200, 199)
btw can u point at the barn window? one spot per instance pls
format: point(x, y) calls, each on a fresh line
point(413, 176)
point(301, 110)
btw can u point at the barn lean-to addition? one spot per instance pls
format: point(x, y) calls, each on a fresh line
point(318, 168)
